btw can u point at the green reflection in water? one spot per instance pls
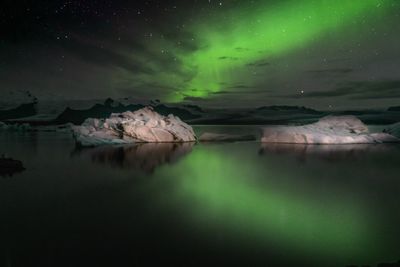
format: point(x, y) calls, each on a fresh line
point(239, 196)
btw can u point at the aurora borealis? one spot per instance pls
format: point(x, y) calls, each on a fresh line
point(248, 36)
point(316, 53)
point(187, 133)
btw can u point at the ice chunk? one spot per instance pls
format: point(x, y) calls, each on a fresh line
point(328, 130)
point(142, 126)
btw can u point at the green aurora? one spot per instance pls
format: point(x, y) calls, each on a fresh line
point(251, 35)
point(323, 54)
point(227, 45)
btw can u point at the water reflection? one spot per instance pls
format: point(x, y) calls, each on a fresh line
point(276, 202)
point(145, 157)
point(223, 201)
point(9, 167)
point(240, 195)
point(331, 153)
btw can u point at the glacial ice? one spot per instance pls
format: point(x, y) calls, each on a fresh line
point(142, 126)
point(328, 130)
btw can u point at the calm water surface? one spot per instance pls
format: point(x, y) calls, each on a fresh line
point(198, 204)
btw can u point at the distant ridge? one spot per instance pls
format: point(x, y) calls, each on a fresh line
point(288, 108)
point(78, 116)
point(182, 113)
point(397, 108)
point(110, 106)
point(196, 115)
point(23, 110)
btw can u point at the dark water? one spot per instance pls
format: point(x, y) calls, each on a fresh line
point(243, 204)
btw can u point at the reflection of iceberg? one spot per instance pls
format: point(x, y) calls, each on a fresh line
point(9, 166)
point(146, 156)
point(326, 152)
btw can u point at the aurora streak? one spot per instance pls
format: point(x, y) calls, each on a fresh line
point(249, 35)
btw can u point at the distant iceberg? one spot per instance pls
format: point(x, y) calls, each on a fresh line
point(328, 130)
point(393, 129)
point(142, 126)
point(15, 127)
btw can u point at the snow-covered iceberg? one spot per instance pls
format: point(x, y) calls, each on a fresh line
point(142, 126)
point(328, 130)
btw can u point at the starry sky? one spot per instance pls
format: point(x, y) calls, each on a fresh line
point(231, 53)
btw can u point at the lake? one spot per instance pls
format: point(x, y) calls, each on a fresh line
point(243, 203)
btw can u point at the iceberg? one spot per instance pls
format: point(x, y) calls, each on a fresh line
point(142, 126)
point(328, 130)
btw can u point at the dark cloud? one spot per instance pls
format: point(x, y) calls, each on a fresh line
point(183, 39)
point(241, 92)
point(194, 99)
point(240, 86)
point(377, 90)
point(104, 56)
point(339, 59)
point(241, 49)
point(228, 58)
point(358, 90)
point(146, 90)
point(259, 64)
point(331, 71)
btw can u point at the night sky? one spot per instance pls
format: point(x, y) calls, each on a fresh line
point(319, 53)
